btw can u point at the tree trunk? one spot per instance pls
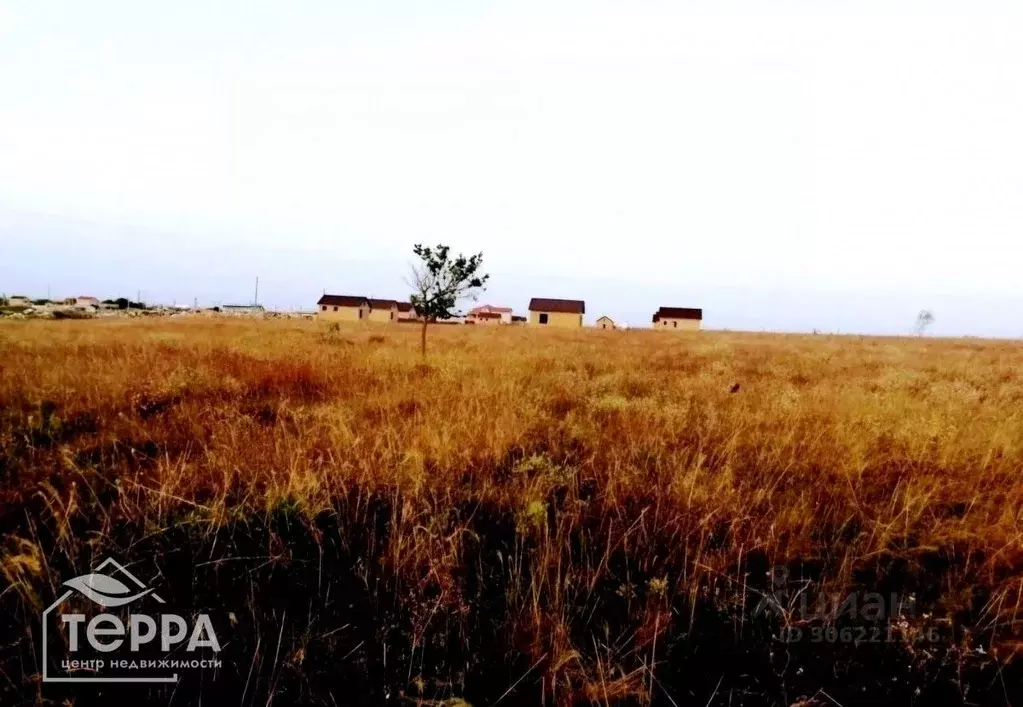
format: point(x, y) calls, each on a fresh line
point(423, 339)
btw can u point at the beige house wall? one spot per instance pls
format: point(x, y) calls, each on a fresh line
point(557, 319)
point(505, 318)
point(383, 316)
point(334, 313)
point(678, 324)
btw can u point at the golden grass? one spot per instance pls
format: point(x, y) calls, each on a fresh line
point(658, 464)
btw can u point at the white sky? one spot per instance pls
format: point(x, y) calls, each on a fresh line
point(785, 165)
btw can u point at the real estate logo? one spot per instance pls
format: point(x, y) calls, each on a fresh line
point(129, 645)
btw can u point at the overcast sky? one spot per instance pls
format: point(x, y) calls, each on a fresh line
point(784, 165)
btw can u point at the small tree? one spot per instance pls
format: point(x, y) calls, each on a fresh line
point(440, 281)
point(923, 320)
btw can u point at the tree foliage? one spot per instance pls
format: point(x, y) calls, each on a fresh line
point(440, 280)
point(923, 320)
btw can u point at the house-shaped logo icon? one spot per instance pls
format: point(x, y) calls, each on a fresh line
point(111, 638)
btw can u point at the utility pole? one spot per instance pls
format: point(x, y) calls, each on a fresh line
point(256, 298)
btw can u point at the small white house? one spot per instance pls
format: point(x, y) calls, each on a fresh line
point(86, 302)
point(242, 309)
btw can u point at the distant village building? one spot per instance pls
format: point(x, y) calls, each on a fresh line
point(516, 319)
point(383, 310)
point(241, 308)
point(484, 318)
point(489, 314)
point(605, 322)
point(86, 302)
point(406, 312)
point(19, 301)
point(349, 308)
point(556, 312)
point(685, 318)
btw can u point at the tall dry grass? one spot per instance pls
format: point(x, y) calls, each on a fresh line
point(570, 501)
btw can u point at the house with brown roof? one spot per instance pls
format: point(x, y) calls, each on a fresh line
point(406, 312)
point(383, 311)
point(678, 318)
point(556, 312)
point(347, 308)
point(489, 314)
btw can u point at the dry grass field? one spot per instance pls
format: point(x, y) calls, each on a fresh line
point(527, 517)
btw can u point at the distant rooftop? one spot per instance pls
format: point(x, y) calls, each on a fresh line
point(490, 308)
point(678, 313)
point(343, 300)
point(566, 306)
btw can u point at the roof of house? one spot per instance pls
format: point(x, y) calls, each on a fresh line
point(382, 303)
point(343, 300)
point(566, 306)
point(490, 308)
point(605, 317)
point(487, 315)
point(678, 313)
point(405, 307)
point(87, 297)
